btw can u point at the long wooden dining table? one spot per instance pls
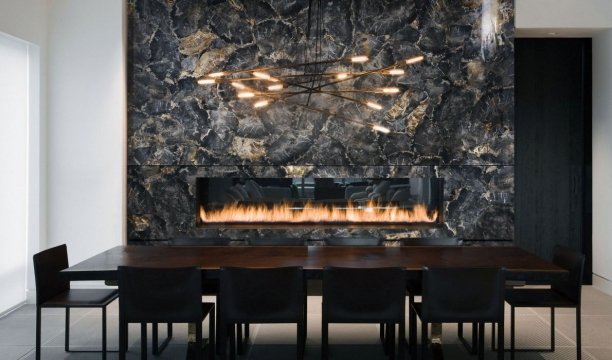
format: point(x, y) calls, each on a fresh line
point(520, 264)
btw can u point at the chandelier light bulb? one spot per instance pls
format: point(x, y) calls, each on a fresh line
point(380, 129)
point(390, 90)
point(238, 85)
point(216, 74)
point(261, 104)
point(206, 81)
point(275, 87)
point(415, 59)
point(342, 76)
point(359, 59)
point(396, 72)
point(245, 94)
point(262, 75)
point(374, 105)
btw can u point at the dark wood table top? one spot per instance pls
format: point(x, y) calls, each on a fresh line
point(521, 265)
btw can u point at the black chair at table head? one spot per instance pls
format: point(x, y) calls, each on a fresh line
point(262, 296)
point(357, 295)
point(459, 295)
point(158, 295)
point(563, 293)
point(52, 291)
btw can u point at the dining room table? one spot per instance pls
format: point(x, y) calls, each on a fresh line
point(521, 266)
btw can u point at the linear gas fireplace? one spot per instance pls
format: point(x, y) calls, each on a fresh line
point(319, 202)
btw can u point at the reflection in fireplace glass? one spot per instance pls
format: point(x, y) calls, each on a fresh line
point(319, 201)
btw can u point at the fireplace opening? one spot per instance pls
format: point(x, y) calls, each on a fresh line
point(326, 202)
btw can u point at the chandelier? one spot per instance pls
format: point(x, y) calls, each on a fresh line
point(296, 84)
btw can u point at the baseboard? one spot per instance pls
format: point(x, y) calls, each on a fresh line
point(602, 284)
point(4, 313)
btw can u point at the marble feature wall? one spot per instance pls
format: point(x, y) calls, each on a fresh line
point(454, 117)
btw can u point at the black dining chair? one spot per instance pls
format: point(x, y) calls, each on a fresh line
point(53, 291)
point(210, 286)
point(460, 295)
point(563, 293)
point(262, 296)
point(358, 295)
point(354, 241)
point(162, 295)
point(415, 287)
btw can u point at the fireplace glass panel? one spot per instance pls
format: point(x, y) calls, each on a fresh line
point(351, 202)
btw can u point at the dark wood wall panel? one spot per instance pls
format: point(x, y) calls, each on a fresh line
point(553, 122)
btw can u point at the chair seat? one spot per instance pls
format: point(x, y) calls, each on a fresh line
point(82, 298)
point(537, 298)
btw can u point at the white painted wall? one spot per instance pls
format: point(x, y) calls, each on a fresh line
point(87, 126)
point(602, 161)
point(563, 14)
point(27, 20)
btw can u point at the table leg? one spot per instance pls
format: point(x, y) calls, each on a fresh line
point(436, 341)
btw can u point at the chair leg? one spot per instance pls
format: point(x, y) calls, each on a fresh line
point(382, 332)
point(300, 340)
point(391, 341)
point(155, 338)
point(170, 333)
point(412, 327)
point(512, 332)
point(38, 326)
point(246, 330)
point(552, 329)
point(122, 337)
point(143, 341)
point(67, 331)
point(401, 338)
point(198, 343)
point(239, 339)
point(231, 330)
point(385, 338)
point(500, 340)
point(211, 334)
point(493, 336)
point(474, 338)
point(104, 333)
point(481, 330)
point(324, 340)
point(424, 340)
point(578, 334)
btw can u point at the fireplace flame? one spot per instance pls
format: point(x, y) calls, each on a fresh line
point(371, 212)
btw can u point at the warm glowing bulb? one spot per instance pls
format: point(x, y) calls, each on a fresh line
point(359, 59)
point(238, 85)
point(216, 74)
point(206, 81)
point(275, 87)
point(342, 76)
point(374, 105)
point(261, 75)
point(381, 129)
point(261, 103)
point(390, 90)
point(245, 94)
point(415, 59)
point(396, 72)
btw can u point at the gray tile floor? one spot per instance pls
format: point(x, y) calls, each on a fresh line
point(277, 341)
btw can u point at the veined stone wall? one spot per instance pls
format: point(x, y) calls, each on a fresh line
point(454, 117)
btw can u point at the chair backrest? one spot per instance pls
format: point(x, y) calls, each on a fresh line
point(431, 241)
point(47, 265)
point(160, 294)
point(364, 295)
point(573, 262)
point(195, 241)
point(463, 294)
point(268, 295)
point(275, 241)
point(354, 241)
